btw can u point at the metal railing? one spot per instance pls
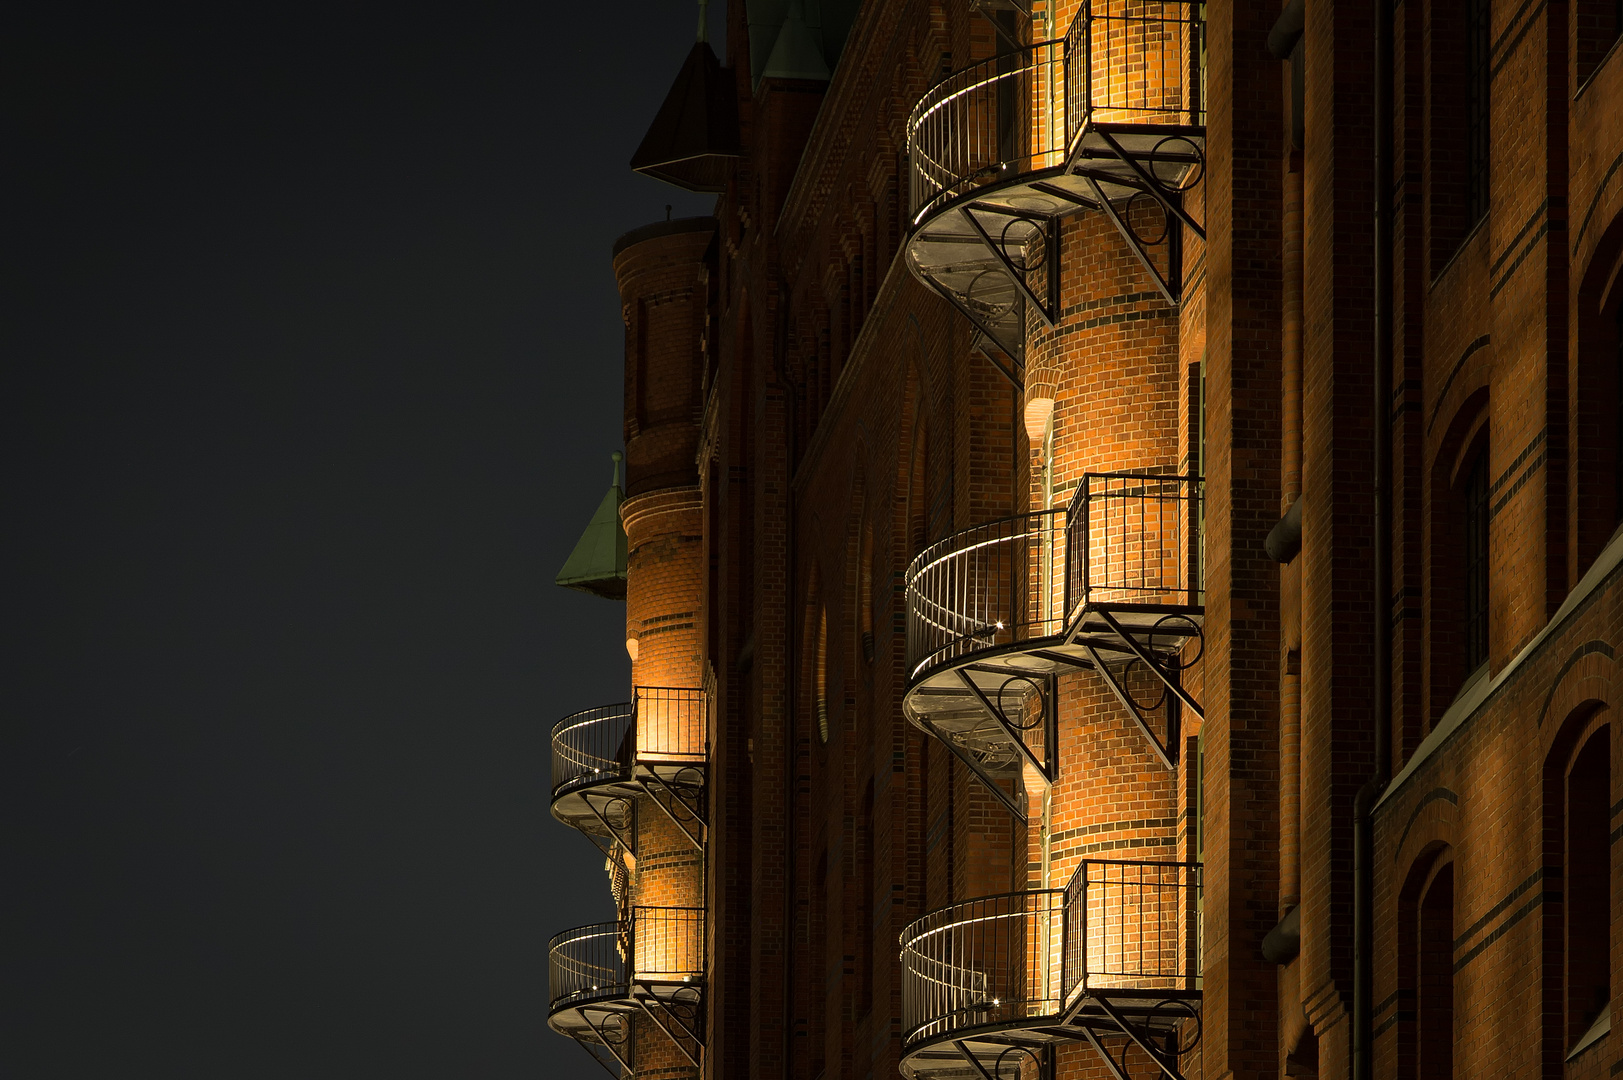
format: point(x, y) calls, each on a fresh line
point(1000, 960)
point(1133, 925)
point(673, 724)
point(587, 963)
point(592, 746)
point(600, 962)
point(1000, 117)
point(990, 585)
point(1135, 62)
point(661, 725)
point(1134, 538)
point(994, 960)
point(1121, 61)
point(667, 943)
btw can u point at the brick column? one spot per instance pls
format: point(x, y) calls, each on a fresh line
point(1244, 257)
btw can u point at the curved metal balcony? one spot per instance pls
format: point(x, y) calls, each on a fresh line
point(991, 985)
point(604, 759)
point(650, 963)
point(1000, 151)
point(996, 612)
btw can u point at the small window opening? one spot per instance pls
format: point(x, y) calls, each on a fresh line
point(1435, 968)
point(821, 675)
point(1589, 894)
point(1476, 111)
point(1476, 563)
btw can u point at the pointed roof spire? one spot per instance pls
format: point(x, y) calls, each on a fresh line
point(797, 53)
point(598, 563)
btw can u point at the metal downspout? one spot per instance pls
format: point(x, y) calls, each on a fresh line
point(1364, 803)
point(791, 400)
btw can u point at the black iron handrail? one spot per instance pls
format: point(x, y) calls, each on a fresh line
point(673, 724)
point(986, 586)
point(988, 961)
point(1018, 957)
point(1000, 117)
point(1132, 924)
point(601, 961)
point(1120, 61)
point(667, 943)
point(588, 963)
point(1135, 62)
point(1134, 539)
point(1128, 539)
point(592, 746)
point(662, 725)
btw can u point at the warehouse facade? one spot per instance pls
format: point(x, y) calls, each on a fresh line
point(1121, 541)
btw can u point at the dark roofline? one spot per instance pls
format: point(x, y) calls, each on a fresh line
point(664, 228)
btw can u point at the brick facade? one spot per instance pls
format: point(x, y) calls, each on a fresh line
point(805, 416)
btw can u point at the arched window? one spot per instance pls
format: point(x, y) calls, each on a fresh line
point(1434, 983)
point(1474, 496)
point(918, 490)
point(865, 574)
point(1460, 570)
point(1425, 1036)
point(1588, 866)
point(820, 674)
point(1596, 423)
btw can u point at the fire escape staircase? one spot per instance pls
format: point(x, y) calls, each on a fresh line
point(992, 987)
point(996, 613)
point(1109, 118)
point(607, 764)
point(650, 963)
point(608, 760)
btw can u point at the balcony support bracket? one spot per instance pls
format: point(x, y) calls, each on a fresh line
point(607, 1041)
point(980, 346)
point(1045, 689)
point(1166, 752)
point(1104, 1055)
point(1016, 354)
point(667, 798)
point(629, 842)
point(680, 1032)
point(1168, 1064)
point(1171, 284)
point(1173, 684)
point(1169, 200)
point(979, 770)
point(1046, 310)
point(974, 1062)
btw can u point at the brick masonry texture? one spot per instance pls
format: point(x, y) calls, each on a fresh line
point(803, 417)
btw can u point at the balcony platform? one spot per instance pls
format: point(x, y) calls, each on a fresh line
point(650, 964)
point(997, 612)
point(606, 759)
point(1103, 119)
point(996, 984)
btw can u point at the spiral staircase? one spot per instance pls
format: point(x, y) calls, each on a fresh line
point(992, 987)
point(610, 763)
point(1110, 118)
point(996, 613)
point(603, 974)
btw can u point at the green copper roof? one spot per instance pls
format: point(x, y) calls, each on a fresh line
point(598, 563)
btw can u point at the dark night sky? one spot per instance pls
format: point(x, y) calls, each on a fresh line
point(312, 364)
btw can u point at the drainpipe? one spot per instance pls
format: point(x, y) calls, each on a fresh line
point(1364, 803)
point(791, 402)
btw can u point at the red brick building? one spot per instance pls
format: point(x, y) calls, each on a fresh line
point(1122, 513)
